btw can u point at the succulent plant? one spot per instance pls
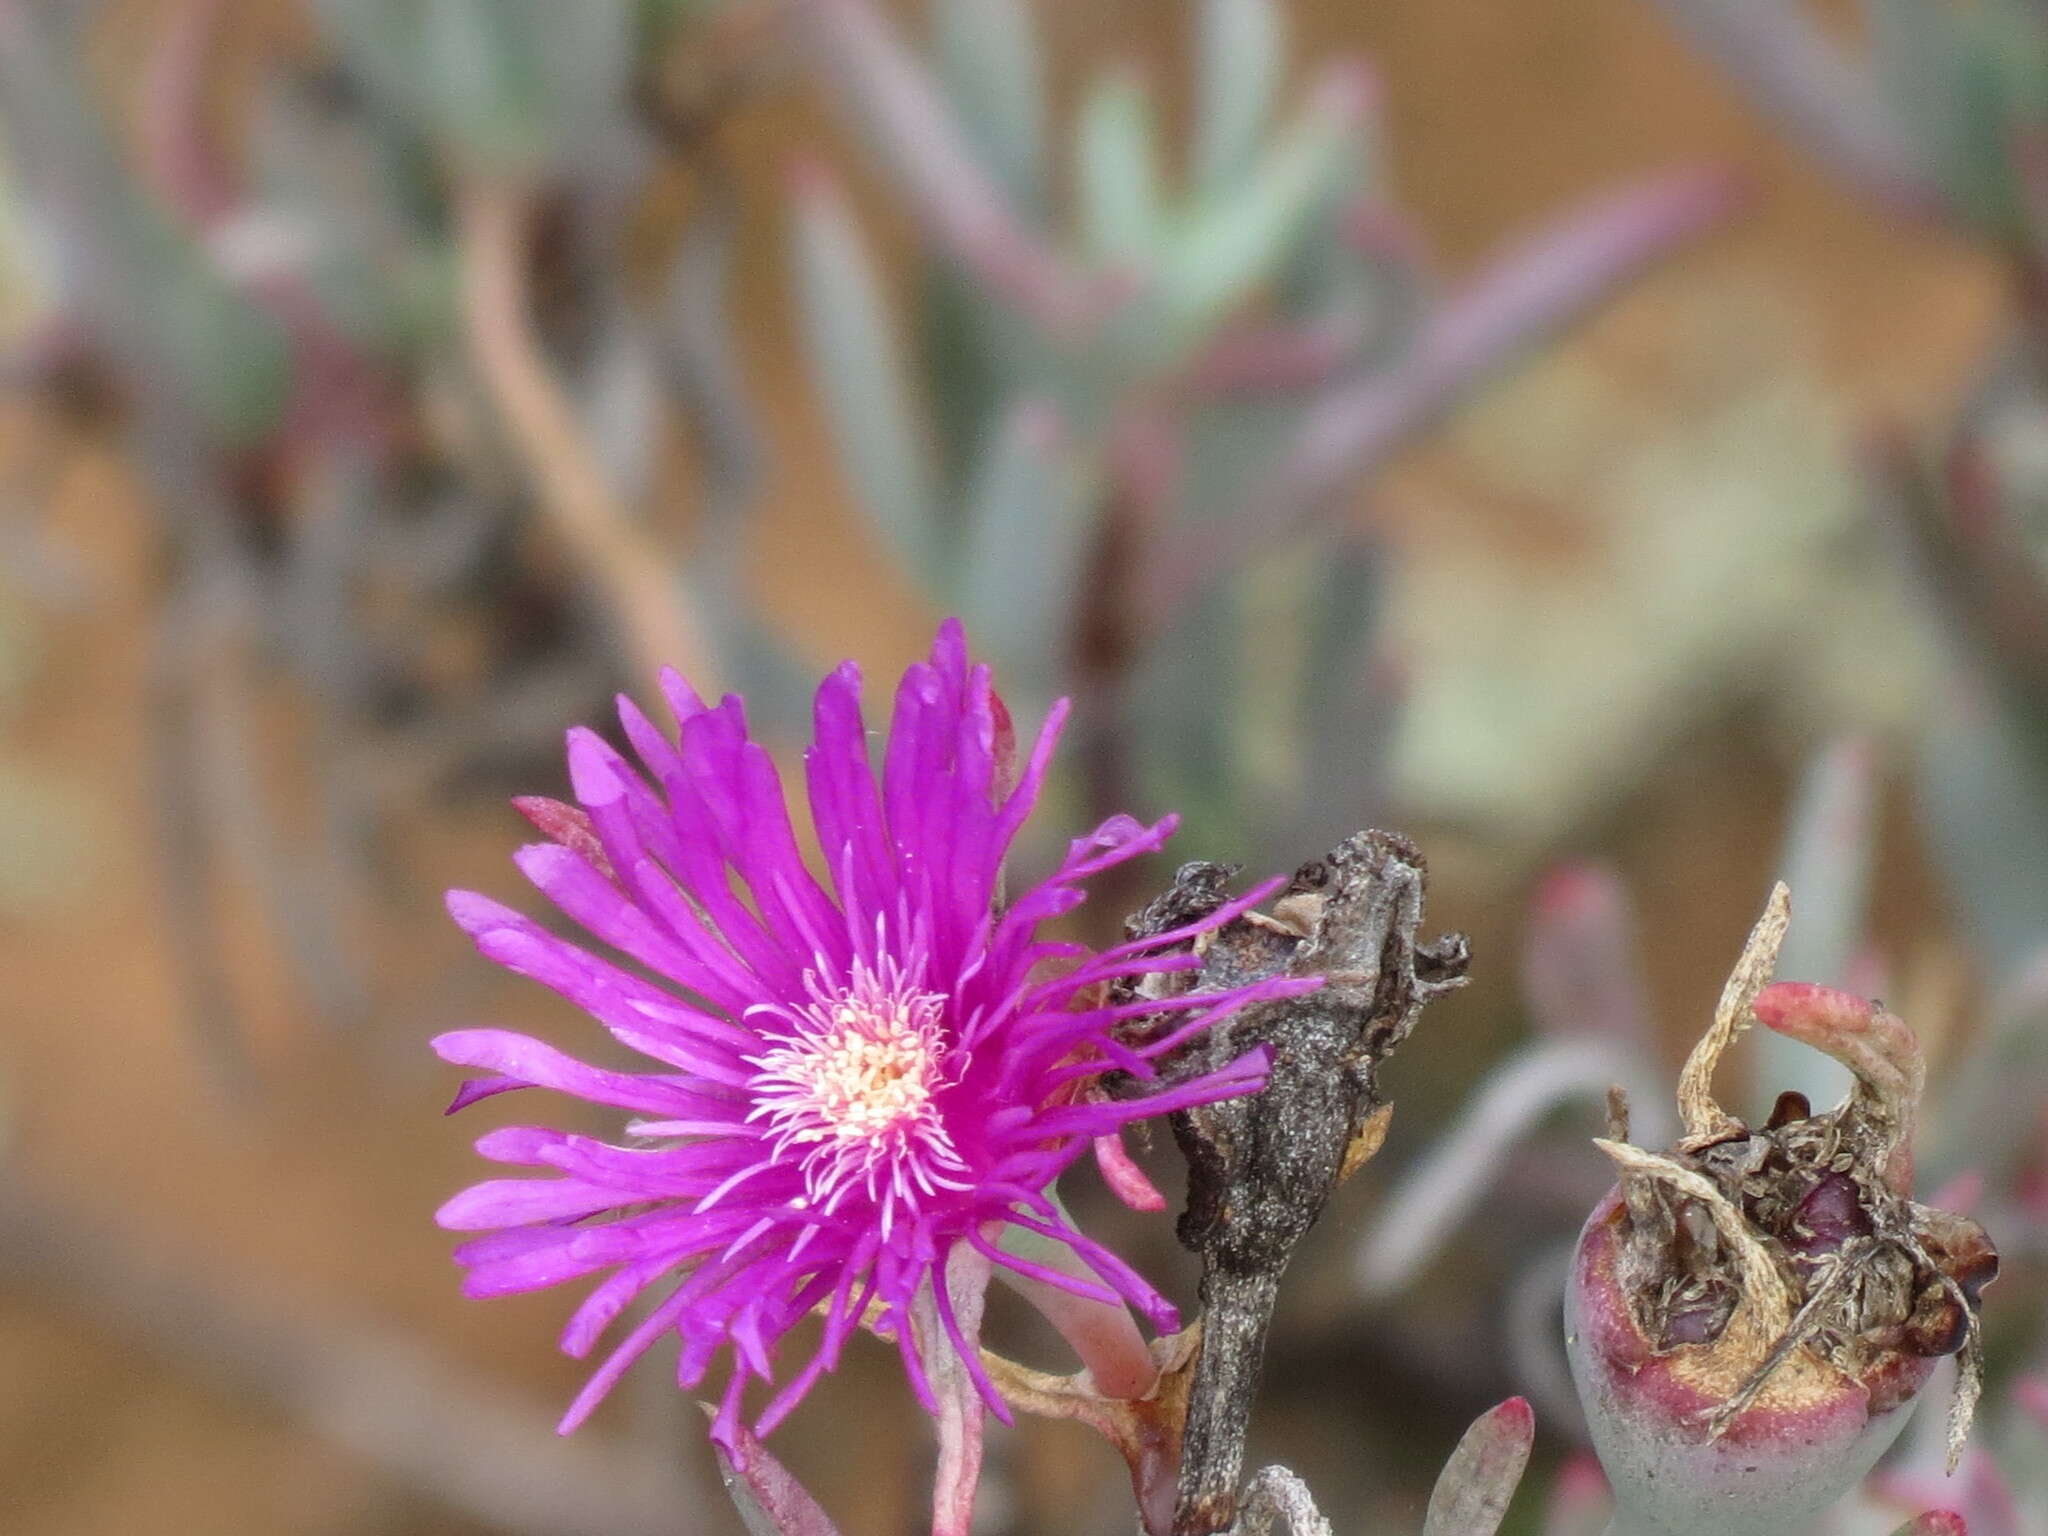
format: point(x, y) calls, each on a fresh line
point(1120, 441)
point(395, 362)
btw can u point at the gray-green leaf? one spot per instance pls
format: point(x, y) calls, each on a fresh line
point(1479, 1481)
point(1026, 545)
point(857, 360)
point(1242, 55)
point(989, 62)
point(1116, 173)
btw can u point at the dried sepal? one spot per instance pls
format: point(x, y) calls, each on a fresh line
point(1704, 1119)
point(1366, 1144)
point(1950, 1251)
point(1276, 1494)
point(1884, 1056)
point(1962, 1407)
point(1764, 1308)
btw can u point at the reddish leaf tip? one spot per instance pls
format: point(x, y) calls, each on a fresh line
point(1571, 887)
point(1780, 1003)
point(1516, 1414)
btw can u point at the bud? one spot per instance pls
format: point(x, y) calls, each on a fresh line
point(1751, 1314)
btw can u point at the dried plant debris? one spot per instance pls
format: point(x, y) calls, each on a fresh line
point(1262, 1167)
point(1782, 1259)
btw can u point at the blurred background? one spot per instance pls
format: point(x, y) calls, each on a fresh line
point(1605, 439)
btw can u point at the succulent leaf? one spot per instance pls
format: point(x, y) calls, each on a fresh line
point(770, 1501)
point(1479, 1481)
point(518, 87)
point(858, 363)
point(1242, 56)
point(1026, 545)
point(1237, 239)
point(989, 61)
point(1116, 170)
point(1984, 792)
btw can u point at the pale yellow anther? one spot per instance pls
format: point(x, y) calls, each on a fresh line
point(854, 1090)
point(872, 1075)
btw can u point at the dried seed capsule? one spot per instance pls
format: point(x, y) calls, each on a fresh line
point(1751, 1314)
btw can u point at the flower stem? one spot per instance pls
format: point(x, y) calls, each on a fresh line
point(1237, 1310)
point(640, 582)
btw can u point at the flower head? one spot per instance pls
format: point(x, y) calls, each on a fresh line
point(853, 1072)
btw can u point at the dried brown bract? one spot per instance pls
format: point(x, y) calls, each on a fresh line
point(1262, 1167)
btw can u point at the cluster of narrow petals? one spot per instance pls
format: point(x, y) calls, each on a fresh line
point(851, 1072)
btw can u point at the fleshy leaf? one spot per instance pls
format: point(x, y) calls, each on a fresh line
point(1478, 1482)
point(1579, 1500)
point(1792, 66)
point(988, 58)
point(1982, 793)
point(512, 85)
point(858, 363)
point(1347, 699)
point(1243, 53)
point(1438, 1191)
point(1581, 974)
point(1238, 240)
point(915, 135)
point(1102, 1333)
point(1025, 543)
point(770, 1500)
point(1524, 296)
point(948, 1334)
point(1146, 1431)
point(1116, 171)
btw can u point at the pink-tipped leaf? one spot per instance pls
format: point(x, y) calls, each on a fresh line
point(1479, 1481)
point(770, 1500)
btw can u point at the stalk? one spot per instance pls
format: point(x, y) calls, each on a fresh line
point(640, 584)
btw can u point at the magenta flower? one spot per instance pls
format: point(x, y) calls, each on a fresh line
point(852, 1075)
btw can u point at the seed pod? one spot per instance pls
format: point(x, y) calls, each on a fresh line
point(1751, 1314)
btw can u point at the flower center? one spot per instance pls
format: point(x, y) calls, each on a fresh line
point(866, 1079)
point(850, 1091)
